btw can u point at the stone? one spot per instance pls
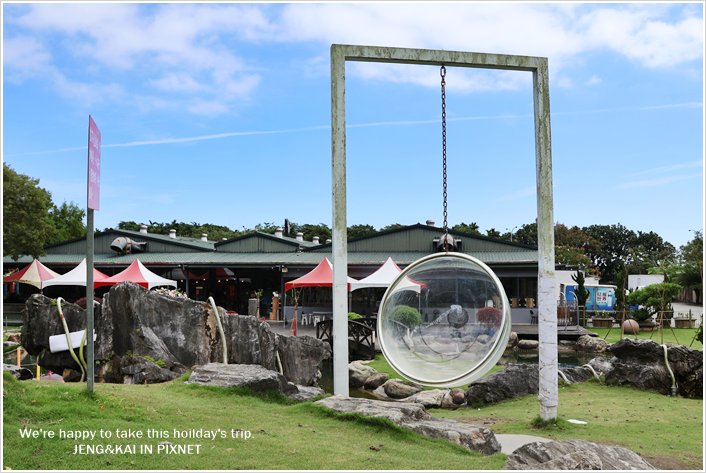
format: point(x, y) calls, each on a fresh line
point(182, 332)
point(400, 388)
point(254, 377)
point(454, 399)
point(9, 343)
point(567, 345)
point(358, 373)
point(306, 393)
point(640, 363)
point(18, 372)
point(577, 375)
point(137, 370)
point(71, 376)
point(413, 416)
point(483, 339)
point(375, 381)
point(528, 344)
point(513, 340)
point(587, 343)
point(601, 366)
point(631, 327)
point(14, 337)
point(574, 455)
point(430, 399)
point(516, 380)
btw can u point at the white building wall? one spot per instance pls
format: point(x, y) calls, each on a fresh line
point(642, 280)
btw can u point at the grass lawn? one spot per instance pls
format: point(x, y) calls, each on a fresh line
point(684, 336)
point(285, 434)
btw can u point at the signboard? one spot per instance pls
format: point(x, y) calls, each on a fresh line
point(94, 165)
point(600, 298)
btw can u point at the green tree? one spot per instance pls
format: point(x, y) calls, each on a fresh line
point(355, 231)
point(571, 246)
point(471, 228)
point(25, 208)
point(67, 221)
point(690, 272)
point(526, 234)
point(655, 297)
point(493, 233)
point(310, 231)
point(391, 227)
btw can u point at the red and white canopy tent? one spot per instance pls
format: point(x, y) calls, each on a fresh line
point(384, 276)
point(76, 277)
point(138, 274)
point(35, 274)
point(320, 276)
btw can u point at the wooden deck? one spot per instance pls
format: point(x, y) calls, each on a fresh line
point(531, 332)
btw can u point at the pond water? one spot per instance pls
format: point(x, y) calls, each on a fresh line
point(567, 359)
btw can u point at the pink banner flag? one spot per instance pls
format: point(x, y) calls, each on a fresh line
point(94, 165)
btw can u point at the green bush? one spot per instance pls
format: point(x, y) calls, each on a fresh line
point(406, 315)
point(354, 316)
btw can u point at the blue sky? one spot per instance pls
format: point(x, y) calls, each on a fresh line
point(220, 113)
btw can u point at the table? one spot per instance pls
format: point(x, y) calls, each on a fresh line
point(320, 316)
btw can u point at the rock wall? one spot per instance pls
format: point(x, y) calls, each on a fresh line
point(182, 332)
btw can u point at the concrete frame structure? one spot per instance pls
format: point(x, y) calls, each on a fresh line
point(548, 355)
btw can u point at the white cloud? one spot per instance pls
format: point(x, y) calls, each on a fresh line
point(664, 169)
point(173, 81)
point(23, 56)
point(565, 83)
point(662, 181)
point(594, 80)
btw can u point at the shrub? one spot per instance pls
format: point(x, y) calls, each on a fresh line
point(640, 314)
point(354, 316)
point(489, 316)
point(406, 315)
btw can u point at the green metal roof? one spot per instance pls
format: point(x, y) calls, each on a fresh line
point(304, 258)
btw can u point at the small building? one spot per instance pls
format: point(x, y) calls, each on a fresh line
point(232, 270)
point(638, 281)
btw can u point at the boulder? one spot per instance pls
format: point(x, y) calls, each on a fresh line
point(430, 399)
point(516, 380)
point(413, 416)
point(375, 381)
point(640, 363)
point(587, 343)
point(574, 455)
point(9, 343)
point(254, 377)
point(137, 370)
point(577, 375)
point(454, 399)
point(528, 344)
point(19, 373)
point(483, 339)
point(182, 332)
point(513, 340)
point(358, 373)
point(567, 345)
point(601, 366)
point(71, 376)
point(306, 393)
point(14, 337)
point(401, 388)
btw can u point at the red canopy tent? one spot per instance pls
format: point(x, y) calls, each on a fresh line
point(320, 276)
point(138, 274)
point(34, 274)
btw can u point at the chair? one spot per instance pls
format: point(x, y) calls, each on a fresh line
point(534, 317)
point(306, 320)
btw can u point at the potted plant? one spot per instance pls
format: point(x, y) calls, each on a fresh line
point(683, 320)
point(602, 319)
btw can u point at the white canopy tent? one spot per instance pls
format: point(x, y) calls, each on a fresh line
point(384, 276)
point(75, 277)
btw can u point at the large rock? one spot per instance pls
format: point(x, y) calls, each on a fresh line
point(528, 344)
point(574, 455)
point(414, 417)
point(358, 373)
point(254, 377)
point(401, 388)
point(577, 375)
point(137, 370)
point(454, 399)
point(19, 373)
point(182, 332)
point(430, 399)
point(640, 363)
point(376, 380)
point(589, 344)
point(513, 340)
point(516, 380)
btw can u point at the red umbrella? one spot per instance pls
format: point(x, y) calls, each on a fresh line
point(138, 274)
point(320, 276)
point(34, 274)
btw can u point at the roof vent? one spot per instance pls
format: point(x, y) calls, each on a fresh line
point(224, 239)
point(204, 237)
point(172, 233)
point(328, 240)
point(278, 232)
point(315, 240)
point(143, 229)
point(300, 236)
point(431, 223)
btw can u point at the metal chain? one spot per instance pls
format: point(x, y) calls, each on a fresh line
point(443, 139)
